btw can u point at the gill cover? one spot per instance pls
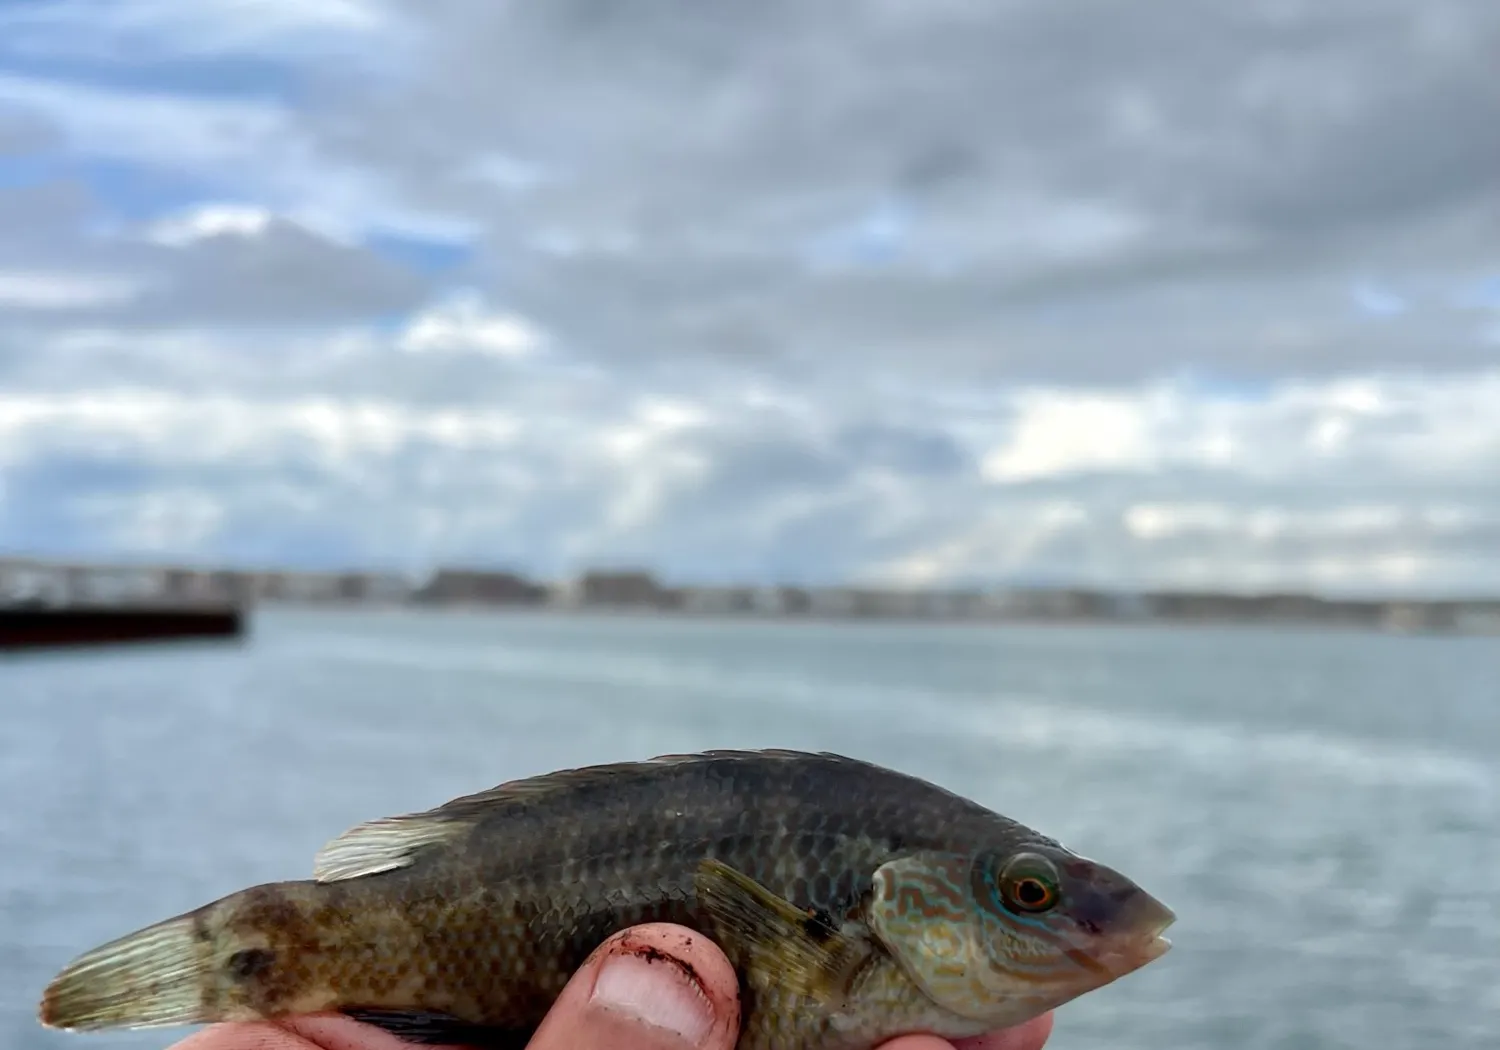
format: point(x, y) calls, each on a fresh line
point(922, 909)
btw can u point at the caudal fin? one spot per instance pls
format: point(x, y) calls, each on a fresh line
point(151, 978)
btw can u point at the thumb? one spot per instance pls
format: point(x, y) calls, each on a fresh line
point(652, 987)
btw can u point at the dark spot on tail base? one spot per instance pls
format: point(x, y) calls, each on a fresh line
point(250, 962)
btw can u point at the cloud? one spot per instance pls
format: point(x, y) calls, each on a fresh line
point(463, 324)
point(21, 290)
point(279, 273)
point(1066, 209)
point(1006, 198)
point(729, 481)
point(214, 220)
point(250, 146)
point(218, 265)
point(911, 291)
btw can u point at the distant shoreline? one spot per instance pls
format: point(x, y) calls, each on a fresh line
point(35, 584)
point(818, 619)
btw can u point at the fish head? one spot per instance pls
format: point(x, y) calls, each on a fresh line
point(1001, 936)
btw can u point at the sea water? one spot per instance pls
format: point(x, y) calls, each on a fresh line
point(1321, 809)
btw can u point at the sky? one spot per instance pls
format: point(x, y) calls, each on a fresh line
point(911, 292)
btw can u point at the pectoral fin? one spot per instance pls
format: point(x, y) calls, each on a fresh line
point(788, 946)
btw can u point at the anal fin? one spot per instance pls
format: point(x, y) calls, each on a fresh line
point(801, 952)
point(430, 1028)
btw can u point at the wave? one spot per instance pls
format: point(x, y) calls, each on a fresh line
point(1009, 721)
point(1229, 749)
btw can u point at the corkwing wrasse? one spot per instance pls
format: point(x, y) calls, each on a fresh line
point(855, 902)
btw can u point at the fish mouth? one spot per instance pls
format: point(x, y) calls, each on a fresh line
point(1142, 944)
point(1131, 954)
point(1153, 949)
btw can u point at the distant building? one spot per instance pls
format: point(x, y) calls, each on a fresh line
point(113, 586)
point(1062, 603)
point(1209, 606)
point(57, 583)
point(371, 588)
point(794, 601)
point(479, 587)
point(1478, 618)
point(32, 583)
point(718, 601)
point(186, 585)
point(831, 601)
point(294, 586)
point(722, 601)
point(1406, 617)
point(956, 605)
point(387, 588)
point(622, 589)
point(878, 603)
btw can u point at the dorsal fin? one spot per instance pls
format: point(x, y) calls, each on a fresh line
point(381, 845)
point(543, 784)
point(393, 842)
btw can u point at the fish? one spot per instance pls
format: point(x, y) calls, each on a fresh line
point(855, 902)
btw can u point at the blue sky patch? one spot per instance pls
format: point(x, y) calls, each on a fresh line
point(425, 255)
point(876, 238)
point(1378, 300)
point(228, 78)
point(1222, 386)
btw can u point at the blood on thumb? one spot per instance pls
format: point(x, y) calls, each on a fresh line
point(653, 987)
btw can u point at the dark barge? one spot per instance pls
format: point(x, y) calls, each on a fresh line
point(37, 626)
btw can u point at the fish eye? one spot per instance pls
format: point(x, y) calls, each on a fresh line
point(1029, 883)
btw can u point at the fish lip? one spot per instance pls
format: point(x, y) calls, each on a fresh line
point(1129, 954)
point(1155, 948)
point(1127, 958)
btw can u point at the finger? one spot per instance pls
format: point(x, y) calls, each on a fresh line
point(1032, 1035)
point(652, 987)
point(320, 1032)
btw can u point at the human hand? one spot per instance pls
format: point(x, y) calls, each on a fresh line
point(652, 987)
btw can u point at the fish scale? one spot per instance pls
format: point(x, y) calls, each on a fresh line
point(814, 873)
